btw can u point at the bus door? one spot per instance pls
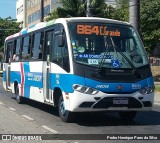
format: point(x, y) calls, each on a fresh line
point(7, 67)
point(48, 96)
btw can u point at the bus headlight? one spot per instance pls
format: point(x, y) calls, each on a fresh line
point(85, 89)
point(147, 90)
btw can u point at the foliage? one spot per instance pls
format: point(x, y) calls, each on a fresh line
point(53, 15)
point(78, 8)
point(157, 88)
point(149, 23)
point(100, 9)
point(7, 27)
point(71, 8)
point(122, 11)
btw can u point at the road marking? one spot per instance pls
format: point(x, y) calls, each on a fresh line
point(12, 109)
point(27, 117)
point(49, 129)
point(1, 103)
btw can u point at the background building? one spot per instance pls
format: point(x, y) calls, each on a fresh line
point(34, 10)
point(21, 12)
point(28, 12)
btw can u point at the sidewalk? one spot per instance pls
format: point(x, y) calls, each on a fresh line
point(157, 98)
point(157, 94)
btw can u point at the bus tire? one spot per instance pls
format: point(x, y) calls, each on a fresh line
point(128, 115)
point(66, 116)
point(19, 99)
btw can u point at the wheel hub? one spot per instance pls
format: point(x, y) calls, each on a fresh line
point(62, 108)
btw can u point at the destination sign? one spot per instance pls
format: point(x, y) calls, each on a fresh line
point(97, 30)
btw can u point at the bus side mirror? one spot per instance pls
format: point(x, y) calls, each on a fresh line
point(60, 41)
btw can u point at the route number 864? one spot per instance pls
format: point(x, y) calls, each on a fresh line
point(87, 29)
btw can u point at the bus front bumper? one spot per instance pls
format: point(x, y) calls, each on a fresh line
point(79, 102)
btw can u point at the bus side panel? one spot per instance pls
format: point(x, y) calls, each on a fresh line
point(33, 85)
point(36, 94)
point(15, 75)
point(4, 76)
point(29, 77)
point(60, 78)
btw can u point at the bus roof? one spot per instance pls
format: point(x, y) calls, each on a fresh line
point(96, 19)
point(63, 20)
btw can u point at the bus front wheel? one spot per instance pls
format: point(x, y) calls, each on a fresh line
point(65, 115)
point(19, 99)
point(128, 115)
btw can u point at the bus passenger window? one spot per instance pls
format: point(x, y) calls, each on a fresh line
point(41, 46)
point(9, 51)
point(37, 47)
point(16, 52)
point(26, 48)
point(60, 54)
point(57, 52)
point(66, 65)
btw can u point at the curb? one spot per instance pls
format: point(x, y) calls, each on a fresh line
point(156, 83)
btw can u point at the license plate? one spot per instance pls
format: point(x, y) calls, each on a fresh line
point(120, 101)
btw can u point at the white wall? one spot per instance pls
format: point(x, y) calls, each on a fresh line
point(21, 12)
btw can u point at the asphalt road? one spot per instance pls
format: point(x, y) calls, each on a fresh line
point(36, 118)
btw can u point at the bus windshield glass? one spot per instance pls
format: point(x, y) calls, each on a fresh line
point(116, 45)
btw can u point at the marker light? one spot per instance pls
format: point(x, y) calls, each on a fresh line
point(146, 90)
point(85, 89)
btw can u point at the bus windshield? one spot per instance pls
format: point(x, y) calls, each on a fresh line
point(114, 45)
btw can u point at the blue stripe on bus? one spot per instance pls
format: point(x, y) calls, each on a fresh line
point(15, 76)
point(126, 87)
point(26, 67)
point(26, 91)
point(4, 76)
point(24, 31)
point(34, 80)
point(150, 81)
point(66, 82)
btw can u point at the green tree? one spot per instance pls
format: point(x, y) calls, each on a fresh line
point(149, 23)
point(53, 15)
point(78, 8)
point(100, 9)
point(122, 11)
point(7, 27)
point(71, 8)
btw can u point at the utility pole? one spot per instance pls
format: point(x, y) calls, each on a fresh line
point(24, 24)
point(134, 9)
point(88, 12)
point(42, 11)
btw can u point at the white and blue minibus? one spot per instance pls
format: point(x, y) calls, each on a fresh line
point(81, 64)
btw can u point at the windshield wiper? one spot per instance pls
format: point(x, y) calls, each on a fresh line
point(124, 56)
point(101, 69)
